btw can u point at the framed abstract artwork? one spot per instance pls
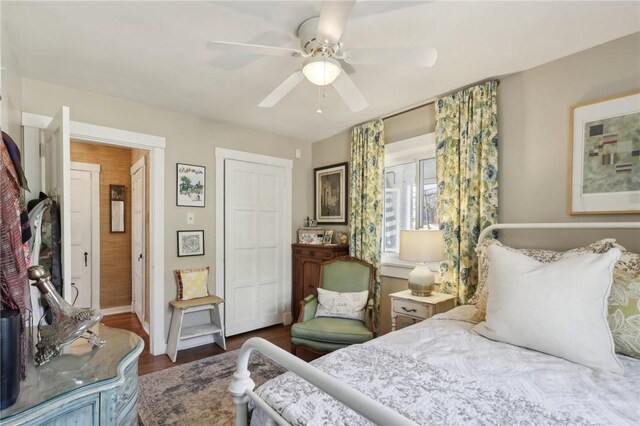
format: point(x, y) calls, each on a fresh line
point(604, 161)
point(190, 243)
point(330, 187)
point(190, 185)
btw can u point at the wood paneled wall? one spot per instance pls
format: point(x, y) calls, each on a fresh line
point(115, 248)
point(137, 154)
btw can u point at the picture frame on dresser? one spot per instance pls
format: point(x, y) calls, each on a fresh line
point(604, 160)
point(331, 194)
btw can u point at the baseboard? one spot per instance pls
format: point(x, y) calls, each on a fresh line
point(115, 310)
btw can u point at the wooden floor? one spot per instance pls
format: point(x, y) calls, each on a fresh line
point(278, 335)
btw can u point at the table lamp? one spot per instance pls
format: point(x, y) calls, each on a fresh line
point(422, 246)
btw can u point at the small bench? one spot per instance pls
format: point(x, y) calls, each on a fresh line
point(182, 307)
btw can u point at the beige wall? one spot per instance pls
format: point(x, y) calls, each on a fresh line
point(115, 248)
point(11, 90)
point(533, 129)
point(190, 140)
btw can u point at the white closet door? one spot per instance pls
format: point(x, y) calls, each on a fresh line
point(81, 242)
point(254, 247)
point(137, 241)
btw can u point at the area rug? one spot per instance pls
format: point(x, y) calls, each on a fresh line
point(196, 393)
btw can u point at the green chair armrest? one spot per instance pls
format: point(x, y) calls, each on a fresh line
point(308, 307)
point(368, 315)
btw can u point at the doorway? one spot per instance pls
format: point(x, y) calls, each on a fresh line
point(253, 251)
point(58, 175)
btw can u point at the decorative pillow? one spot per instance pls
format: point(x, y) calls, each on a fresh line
point(341, 305)
point(192, 283)
point(624, 312)
point(559, 308)
point(545, 256)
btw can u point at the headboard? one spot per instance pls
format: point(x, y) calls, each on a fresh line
point(572, 225)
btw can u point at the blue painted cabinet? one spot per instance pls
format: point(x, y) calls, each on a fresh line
point(84, 386)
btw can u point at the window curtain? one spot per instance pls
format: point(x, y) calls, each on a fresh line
point(366, 199)
point(467, 176)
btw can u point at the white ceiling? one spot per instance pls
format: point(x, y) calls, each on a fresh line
point(155, 52)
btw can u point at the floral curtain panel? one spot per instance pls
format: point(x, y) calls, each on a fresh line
point(365, 199)
point(467, 176)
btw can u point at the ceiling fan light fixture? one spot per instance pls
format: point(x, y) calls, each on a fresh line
point(321, 70)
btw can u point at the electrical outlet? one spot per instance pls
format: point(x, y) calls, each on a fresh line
point(190, 218)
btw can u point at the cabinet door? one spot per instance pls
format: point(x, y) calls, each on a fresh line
point(311, 275)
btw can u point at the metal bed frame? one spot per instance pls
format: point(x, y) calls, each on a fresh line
point(242, 386)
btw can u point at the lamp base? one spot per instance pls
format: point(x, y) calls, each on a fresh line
point(421, 281)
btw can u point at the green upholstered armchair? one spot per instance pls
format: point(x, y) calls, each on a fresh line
point(324, 334)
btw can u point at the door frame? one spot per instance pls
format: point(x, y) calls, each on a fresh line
point(156, 146)
point(221, 155)
point(94, 169)
point(140, 164)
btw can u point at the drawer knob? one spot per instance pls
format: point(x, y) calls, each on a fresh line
point(408, 310)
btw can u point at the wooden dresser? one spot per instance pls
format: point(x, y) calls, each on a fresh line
point(306, 262)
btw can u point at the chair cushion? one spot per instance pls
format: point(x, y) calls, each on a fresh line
point(332, 330)
point(192, 283)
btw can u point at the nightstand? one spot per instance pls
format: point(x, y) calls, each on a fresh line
point(405, 304)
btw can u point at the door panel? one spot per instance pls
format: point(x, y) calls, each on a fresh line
point(81, 201)
point(254, 247)
point(137, 241)
point(57, 182)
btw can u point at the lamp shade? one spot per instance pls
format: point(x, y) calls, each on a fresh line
point(422, 245)
point(321, 70)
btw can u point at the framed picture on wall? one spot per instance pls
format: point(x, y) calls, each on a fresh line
point(117, 196)
point(330, 187)
point(605, 155)
point(190, 185)
point(190, 243)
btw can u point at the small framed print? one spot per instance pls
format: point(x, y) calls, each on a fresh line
point(190, 243)
point(190, 185)
point(310, 235)
point(605, 156)
point(328, 236)
point(117, 213)
point(331, 194)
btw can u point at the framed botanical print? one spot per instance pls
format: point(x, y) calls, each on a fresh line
point(331, 199)
point(605, 155)
point(190, 185)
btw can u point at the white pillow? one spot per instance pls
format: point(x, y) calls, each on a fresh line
point(558, 308)
point(341, 305)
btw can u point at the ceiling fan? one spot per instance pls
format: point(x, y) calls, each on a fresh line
point(326, 62)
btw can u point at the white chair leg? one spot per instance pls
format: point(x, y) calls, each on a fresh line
point(174, 333)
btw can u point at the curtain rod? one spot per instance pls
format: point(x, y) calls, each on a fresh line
point(432, 100)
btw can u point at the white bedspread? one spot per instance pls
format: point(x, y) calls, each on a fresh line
point(440, 372)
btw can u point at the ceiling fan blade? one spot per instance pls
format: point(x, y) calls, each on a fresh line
point(350, 93)
point(253, 49)
point(281, 91)
point(333, 18)
point(346, 67)
point(417, 57)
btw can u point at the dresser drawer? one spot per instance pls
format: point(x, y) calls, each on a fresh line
point(412, 308)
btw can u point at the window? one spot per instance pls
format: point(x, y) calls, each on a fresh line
point(410, 189)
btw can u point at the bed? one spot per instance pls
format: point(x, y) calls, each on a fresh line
point(439, 372)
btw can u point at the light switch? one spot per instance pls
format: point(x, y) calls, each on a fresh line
point(189, 218)
point(298, 153)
